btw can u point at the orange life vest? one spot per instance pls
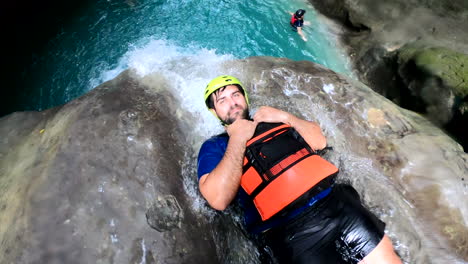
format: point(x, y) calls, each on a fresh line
point(280, 168)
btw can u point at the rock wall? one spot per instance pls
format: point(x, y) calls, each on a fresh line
point(387, 40)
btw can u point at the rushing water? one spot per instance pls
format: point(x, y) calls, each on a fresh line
point(111, 36)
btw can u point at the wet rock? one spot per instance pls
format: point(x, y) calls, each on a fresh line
point(439, 77)
point(165, 214)
point(77, 180)
point(424, 81)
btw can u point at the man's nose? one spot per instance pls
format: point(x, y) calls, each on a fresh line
point(231, 102)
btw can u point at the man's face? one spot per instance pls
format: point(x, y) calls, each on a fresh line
point(230, 104)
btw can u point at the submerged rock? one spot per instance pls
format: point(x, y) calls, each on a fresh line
point(111, 176)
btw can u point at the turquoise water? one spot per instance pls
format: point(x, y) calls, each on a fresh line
point(149, 34)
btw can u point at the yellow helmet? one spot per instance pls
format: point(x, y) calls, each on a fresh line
point(220, 82)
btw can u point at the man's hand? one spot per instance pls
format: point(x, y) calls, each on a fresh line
point(271, 115)
point(241, 130)
point(310, 131)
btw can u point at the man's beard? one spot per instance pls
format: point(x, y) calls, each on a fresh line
point(244, 115)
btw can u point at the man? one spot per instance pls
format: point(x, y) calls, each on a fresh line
point(297, 21)
point(324, 224)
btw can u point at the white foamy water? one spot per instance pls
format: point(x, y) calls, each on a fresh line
point(184, 71)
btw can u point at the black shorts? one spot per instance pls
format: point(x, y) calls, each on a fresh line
point(337, 229)
point(293, 27)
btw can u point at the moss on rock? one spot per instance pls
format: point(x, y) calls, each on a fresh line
point(449, 66)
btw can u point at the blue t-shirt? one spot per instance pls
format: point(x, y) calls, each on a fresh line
point(211, 153)
point(209, 156)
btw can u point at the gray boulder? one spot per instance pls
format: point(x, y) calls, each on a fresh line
point(85, 182)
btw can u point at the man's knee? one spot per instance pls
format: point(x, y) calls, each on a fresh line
point(383, 253)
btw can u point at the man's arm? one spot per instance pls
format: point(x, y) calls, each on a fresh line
point(310, 131)
point(220, 186)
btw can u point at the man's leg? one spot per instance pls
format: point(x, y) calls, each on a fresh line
point(382, 254)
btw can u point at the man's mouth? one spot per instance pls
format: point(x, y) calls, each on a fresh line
point(236, 113)
point(236, 110)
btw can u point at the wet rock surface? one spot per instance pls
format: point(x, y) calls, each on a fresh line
point(77, 180)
